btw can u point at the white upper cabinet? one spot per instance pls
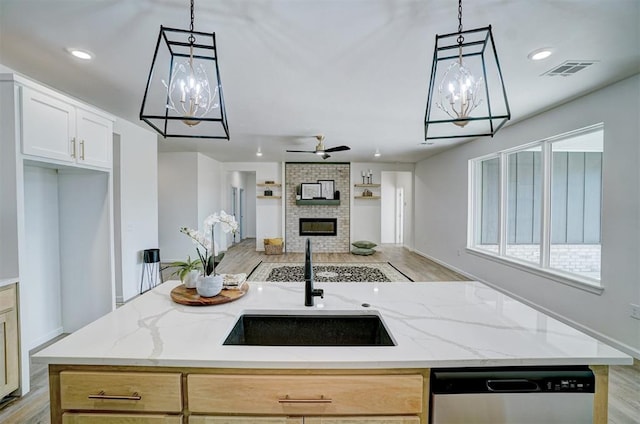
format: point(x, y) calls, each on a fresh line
point(94, 138)
point(55, 128)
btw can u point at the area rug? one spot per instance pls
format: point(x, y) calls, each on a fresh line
point(380, 272)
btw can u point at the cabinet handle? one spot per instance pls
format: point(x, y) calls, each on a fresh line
point(73, 147)
point(82, 149)
point(322, 399)
point(103, 395)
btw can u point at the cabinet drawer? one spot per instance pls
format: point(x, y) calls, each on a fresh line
point(85, 418)
point(299, 395)
point(194, 419)
point(120, 391)
point(362, 420)
point(8, 297)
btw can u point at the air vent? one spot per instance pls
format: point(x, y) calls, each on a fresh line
point(570, 67)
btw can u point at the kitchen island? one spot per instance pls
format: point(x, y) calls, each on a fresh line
point(176, 354)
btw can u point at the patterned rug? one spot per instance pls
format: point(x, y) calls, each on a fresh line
point(381, 272)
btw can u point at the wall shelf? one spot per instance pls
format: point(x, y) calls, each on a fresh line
point(367, 185)
point(367, 197)
point(269, 197)
point(269, 185)
point(312, 202)
point(273, 187)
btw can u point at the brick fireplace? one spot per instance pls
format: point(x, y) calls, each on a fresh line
point(316, 218)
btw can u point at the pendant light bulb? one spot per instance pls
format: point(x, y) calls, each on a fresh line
point(259, 152)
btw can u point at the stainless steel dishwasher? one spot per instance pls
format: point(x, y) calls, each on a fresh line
point(513, 395)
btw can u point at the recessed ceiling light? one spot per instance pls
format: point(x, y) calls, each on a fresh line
point(540, 54)
point(80, 54)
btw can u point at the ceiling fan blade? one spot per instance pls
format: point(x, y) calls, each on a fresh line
point(337, 149)
point(300, 151)
point(326, 156)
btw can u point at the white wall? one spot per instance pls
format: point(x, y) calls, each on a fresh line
point(43, 318)
point(177, 204)
point(137, 170)
point(441, 199)
point(366, 214)
point(249, 229)
point(268, 212)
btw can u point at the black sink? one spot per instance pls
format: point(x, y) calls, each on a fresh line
point(309, 330)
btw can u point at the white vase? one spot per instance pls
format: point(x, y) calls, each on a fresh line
point(190, 280)
point(209, 286)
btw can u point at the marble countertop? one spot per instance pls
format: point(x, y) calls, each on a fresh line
point(7, 281)
point(453, 324)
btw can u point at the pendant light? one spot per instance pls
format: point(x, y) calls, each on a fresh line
point(183, 96)
point(467, 96)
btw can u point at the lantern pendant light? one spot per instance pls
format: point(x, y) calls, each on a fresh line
point(466, 87)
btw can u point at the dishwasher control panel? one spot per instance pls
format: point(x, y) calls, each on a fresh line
point(574, 379)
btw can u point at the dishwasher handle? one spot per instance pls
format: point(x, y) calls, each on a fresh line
point(512, 385)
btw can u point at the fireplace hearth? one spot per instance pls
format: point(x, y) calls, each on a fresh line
point(318, 227)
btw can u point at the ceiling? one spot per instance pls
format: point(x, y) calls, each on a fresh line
point(356, 71)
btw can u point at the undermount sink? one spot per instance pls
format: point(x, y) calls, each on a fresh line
point(309, 330)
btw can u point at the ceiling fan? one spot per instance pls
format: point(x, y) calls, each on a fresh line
point(320, 150)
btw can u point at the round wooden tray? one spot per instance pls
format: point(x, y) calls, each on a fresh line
point(185, 296)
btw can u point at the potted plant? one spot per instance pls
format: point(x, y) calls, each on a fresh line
point(188, 271)
point(210, 284)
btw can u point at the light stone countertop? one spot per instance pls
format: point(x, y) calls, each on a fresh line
point(7, 281)
point(435, 325)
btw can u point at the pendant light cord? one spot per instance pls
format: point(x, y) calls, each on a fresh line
point(460, 39)
point(192, 39)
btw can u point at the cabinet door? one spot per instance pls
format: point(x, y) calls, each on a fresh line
point(94, 138)
point(9, 375)
point(48, 126)
point(362, 420)
point(244, 420)
point(87, 418)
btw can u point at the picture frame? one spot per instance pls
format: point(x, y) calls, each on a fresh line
point(328, 188)
point(310, 190)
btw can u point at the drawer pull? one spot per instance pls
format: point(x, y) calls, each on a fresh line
point(322, 399)
point(103, 395)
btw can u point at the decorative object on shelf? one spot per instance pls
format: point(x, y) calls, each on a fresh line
point(268, 193)
point(367, 193)
point(466, 87)
point(269, 182)
point(205, 239)
point(368, 175)
point(310, 190)
point(188, 271)
point(273, 246)
point(327, 189)
point(183, 96)
point(364, 175)
point(336, 195)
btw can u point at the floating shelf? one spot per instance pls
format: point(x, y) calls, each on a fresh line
point(269, 197)
point(311, 202)
point(367, 185)
point(367, 197)
point(269, 185)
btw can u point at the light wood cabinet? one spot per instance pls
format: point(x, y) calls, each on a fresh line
point(306, 395)
point(121, 391)
point(89, 418)
point(54, 128)
point(94, 394)
point(244, 420)
point(9, 360)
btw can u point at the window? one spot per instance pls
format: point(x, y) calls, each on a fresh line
point(540, 205)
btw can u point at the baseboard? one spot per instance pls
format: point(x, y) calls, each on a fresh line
point(45, 338)
point(629, 350)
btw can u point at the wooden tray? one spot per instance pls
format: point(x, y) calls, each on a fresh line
point(185, 296)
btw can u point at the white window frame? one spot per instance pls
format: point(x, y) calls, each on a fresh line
point(543, 268)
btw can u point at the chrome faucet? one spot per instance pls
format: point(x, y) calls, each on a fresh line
point(309, 291)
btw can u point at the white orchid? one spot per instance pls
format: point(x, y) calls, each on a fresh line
point(205, 238)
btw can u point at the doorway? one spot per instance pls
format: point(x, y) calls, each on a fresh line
point(396, 186)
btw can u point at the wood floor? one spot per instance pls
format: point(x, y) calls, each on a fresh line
point(624, 381)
